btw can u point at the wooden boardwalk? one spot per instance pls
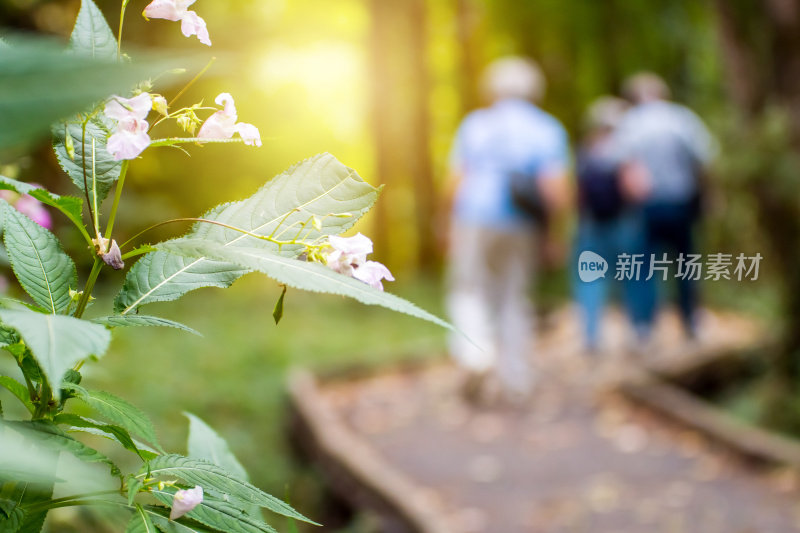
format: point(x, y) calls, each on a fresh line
point(578, 458)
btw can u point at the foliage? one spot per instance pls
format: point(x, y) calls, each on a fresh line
point(282, 231)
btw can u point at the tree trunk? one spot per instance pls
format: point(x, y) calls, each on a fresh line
point(421, 160)
point(744, 80)
point(381, 16)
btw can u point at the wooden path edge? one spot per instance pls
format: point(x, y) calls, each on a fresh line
point(660, 390)
point(353, 469)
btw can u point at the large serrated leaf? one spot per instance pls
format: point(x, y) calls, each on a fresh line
point(48, 435)
point(184, 525)
point(40, 264)
point(140, 522)
point(219, 515)
point(128, 321)
point(213, 478)
point(318, 187)
point(119, 411)
point(300, 275)
point(57, 342)
point(70, 206)
point(91, 35)
point(106, 169)
point(205, 443)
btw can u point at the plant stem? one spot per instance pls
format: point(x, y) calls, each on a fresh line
point(87, 289)
point(191, 82)
point(117, 195)
point(216, 223)
point(94, 188)
point(43, 407)
point(183, 140)
point(83, 164)
point(119, 35)
point(71, 501)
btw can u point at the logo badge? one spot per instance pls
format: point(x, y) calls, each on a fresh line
point(591, 266)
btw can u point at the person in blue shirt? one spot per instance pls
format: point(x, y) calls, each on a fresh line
point(674, 147)
point(492, 241)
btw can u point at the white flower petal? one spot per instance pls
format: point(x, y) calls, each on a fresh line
point(125, 108)
point(229, 107)
point(217, 126)
point(358, 244)
point(164, 9)
point(249, 134)
point(184, 501)
point(129, 140)
point(372, 273)
point(193, 24)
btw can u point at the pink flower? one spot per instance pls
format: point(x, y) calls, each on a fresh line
point(371, 273)
point(348, 253)
point(223, 125)
point(184, 501)
point(29, 206)
point(349, 257)
point(130, 138)
point(175, 10)
point(137, 107)
point(35, 210)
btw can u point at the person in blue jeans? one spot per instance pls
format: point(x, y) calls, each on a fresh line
point(673, 147)
point(609, 223)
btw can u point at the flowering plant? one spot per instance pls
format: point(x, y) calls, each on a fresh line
point(289, 230)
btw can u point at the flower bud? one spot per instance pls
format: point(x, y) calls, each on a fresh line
point(184, 501)
point(113, 257)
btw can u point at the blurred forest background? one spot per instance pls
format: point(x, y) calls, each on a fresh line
point(382, 85)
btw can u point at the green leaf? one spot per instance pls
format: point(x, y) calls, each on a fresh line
point(134, 486)
point(300, 275)
point(46, 434)
point(7, 336)
point(91, 35)
point(79, 423)
point(70, 206)
point(140, 522)
point(119, 411)
point(19, 390)
point(124, 321)
point(57, 342)
point(39, 262)
point(41, 84)
point(205, 443)
point(277, 312)
point(213, 478)
point(13, 521)
point(318, 187)
point(106, 169)
point(183, 525)
point(219, 515)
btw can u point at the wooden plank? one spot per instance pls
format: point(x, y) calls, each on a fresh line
point(354, 470)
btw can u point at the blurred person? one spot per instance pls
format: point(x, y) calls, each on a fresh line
point(492, 241)
point(608, 225)
point(674, 146)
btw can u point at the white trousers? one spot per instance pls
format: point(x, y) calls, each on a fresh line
point(489, 279)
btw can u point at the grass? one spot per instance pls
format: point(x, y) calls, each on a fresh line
point(233, 376)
